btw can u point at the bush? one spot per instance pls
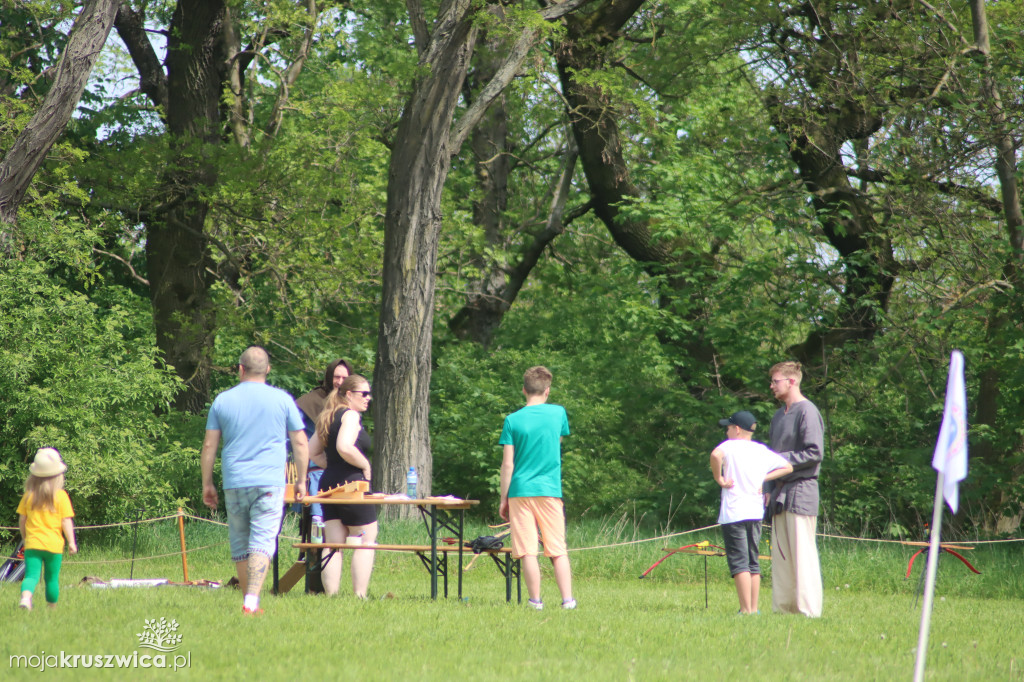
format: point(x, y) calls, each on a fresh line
point(79, 371)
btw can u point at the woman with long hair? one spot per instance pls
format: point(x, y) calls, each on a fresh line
point(311, 405)
point(342, 446)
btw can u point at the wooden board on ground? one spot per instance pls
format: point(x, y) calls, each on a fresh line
point(292, 576)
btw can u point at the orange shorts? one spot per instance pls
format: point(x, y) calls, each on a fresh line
point(527, 516)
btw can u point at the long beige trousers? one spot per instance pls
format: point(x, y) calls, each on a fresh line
point(796, 571)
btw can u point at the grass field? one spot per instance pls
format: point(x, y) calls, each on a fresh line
point(625, 629)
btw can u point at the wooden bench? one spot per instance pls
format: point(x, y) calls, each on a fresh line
point(509, 567)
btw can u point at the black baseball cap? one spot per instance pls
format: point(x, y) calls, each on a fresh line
point(742, 419)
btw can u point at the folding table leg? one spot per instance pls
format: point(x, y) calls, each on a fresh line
point(518, 566)
point(508, 577)
point(462, 522)
point(442, 567)
point(433, 557)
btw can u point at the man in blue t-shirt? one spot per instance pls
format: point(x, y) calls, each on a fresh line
point(531, 485)
point(253, 418)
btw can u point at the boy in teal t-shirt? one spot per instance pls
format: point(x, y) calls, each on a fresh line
point(531, 485)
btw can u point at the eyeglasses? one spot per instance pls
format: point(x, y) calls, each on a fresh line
point(365, 394)
point(778, 381)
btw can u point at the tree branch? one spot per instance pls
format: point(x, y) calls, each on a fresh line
point(560, 9)
point(152, 79)
point(419, 26)
point(950, 188)
point(136, 276)
point(291, 74)
point(26, 155)
point(507, 71)
point(504, 75)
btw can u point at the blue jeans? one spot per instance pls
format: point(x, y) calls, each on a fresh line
point(312, 488)
point(254, 519)
point(315, 509)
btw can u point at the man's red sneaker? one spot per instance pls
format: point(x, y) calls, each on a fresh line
point(251, 612)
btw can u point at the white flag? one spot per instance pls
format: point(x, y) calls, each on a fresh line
point(951, 449)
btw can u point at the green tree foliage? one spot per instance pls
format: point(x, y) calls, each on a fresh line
point(804, 178)
point(302, 275)
point(293, 217)
point(79, 372)
point(578, 329)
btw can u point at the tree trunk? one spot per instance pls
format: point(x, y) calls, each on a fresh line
point(88, 34)
point(420, 160)
point(417, 172)
point(204, 57)
point(1006, 309)
point(478, 319)
point(177, 249)
point(869, 266)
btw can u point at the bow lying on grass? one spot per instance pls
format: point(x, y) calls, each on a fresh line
point(694, 549)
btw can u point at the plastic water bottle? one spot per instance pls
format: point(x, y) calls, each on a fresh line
point(318, 529)
point(411, 479)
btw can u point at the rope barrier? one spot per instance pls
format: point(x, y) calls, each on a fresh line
point(902, 542)
point(200, 518)
point(990, 542)
point(849, 537)
point(822, 535)
point(221, 523)
point(121, 561)
point(573, 549)
point(637, 542)
point(110, 525)
point(144, 558)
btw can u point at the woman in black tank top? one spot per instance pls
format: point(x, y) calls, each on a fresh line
point(342, 447)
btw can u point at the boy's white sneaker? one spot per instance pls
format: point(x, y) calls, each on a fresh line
point(569, 605)
point(26, 601)
point(539, 605)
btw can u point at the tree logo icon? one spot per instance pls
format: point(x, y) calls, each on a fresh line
point(160, 635)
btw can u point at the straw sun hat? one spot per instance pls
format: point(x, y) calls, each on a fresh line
point(47, 463)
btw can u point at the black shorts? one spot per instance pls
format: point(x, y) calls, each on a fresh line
point(348, 514)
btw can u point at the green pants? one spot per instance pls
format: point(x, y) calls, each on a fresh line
point(36, 560)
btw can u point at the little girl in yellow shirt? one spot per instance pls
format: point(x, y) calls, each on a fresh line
point(43, 513)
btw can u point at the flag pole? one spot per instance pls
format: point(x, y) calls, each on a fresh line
point(929, 582)
point(950, 461)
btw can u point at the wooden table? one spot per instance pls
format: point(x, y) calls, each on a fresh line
point(436, 512)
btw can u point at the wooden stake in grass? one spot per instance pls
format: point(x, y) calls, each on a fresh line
point(181, 532)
